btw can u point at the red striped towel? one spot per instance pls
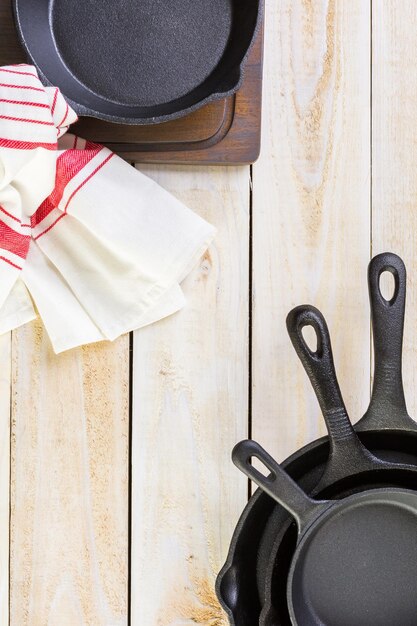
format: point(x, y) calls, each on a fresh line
point(94, 246)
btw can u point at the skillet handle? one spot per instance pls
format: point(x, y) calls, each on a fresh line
point(346, 450)
point(387, 408)
point(279, 485)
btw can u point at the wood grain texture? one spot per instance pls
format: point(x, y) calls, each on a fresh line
point(311, 210)
point(394, 157)
point(5, 369)
point(190, 402)
point(69, 483)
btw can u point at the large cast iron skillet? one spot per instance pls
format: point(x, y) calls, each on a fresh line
point(139, 62)
point(355, 561)
point(386, 429)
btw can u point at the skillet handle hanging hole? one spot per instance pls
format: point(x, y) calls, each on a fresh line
point(388, 285)
point(278, 484)
point(387, 278)
point(309, 334)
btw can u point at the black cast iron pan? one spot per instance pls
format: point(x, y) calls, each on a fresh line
point(139, 61)
point(350, 467)
point(393, 436)
point(355, 561)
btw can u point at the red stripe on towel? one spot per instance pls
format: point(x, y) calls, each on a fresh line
point(65, 116)
point(16, 219)
point(23, 119)
point(90, 145)
point(68, 165)
point(13, 241)
point(25, 145)
point(28, 104)
point(22, 87)
point(51, 226)
point(3, 69)
point(54, 100)
point(52, 206)
point(88, 178)
point(3, 258)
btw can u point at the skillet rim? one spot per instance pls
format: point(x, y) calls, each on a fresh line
point(85, 111)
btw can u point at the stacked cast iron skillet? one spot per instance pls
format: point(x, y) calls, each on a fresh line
point(351, 557)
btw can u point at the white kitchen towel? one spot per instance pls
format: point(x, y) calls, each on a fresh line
point(91, 244)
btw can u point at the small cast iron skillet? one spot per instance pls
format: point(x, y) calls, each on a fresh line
point(392, 435)
point(139, 62)
point(355, 561)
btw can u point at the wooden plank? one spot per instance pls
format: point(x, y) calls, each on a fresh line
point(5, 355)
point(311, 213)
point(394, 156)
point(190, 401)
point(69, 483)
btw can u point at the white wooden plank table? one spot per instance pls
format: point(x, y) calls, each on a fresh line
point(118, 496)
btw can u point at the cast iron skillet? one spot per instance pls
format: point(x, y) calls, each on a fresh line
point(139, 62)
point(350, 468)
point(392, 435)
point(355, 561)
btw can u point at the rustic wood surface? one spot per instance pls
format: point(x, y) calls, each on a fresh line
point(103, 533)
point(311, 211)
point(394, 157)
point(69, 482)
point(5, 379)
point(190, 405)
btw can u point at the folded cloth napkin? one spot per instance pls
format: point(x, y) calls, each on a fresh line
point(95, 246)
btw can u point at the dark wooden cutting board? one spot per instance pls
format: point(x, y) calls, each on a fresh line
point(223, 132)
